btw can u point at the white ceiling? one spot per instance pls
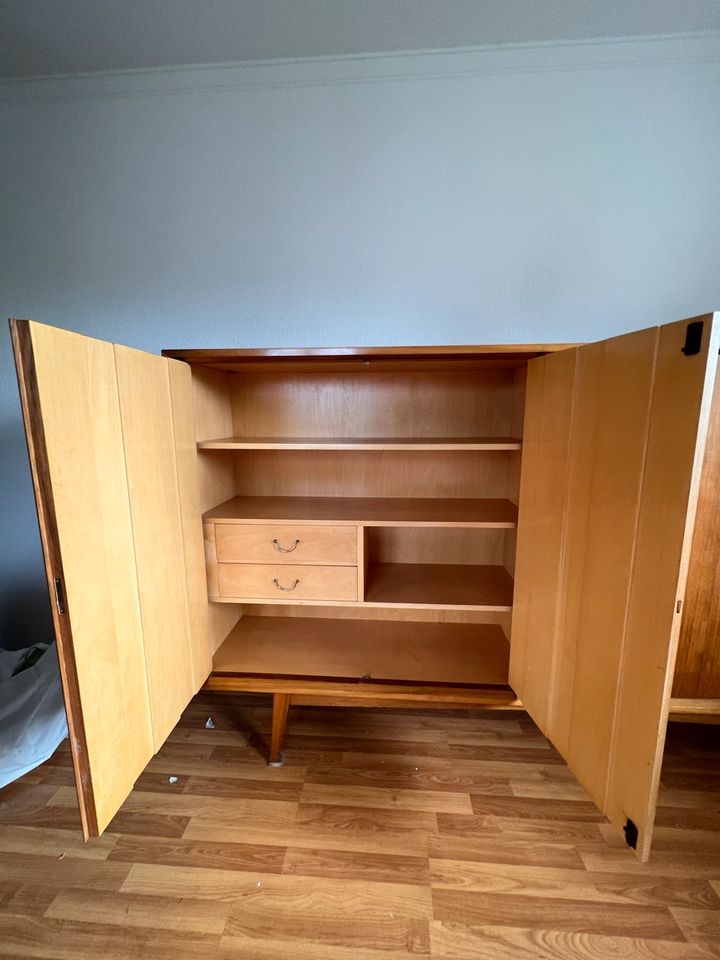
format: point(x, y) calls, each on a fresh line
point(50, 37)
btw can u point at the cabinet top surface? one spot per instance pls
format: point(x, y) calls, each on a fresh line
point(242, 359)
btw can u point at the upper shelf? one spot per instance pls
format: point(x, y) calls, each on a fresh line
point(353, 359)
point(370, 511)
point(361, 443)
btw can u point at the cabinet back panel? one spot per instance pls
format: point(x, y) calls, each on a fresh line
point(697, 672)
point(412, 404)
point(395, 473)
point(434, 545)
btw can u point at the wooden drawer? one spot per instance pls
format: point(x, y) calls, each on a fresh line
point(285, 543)
point(258, 581)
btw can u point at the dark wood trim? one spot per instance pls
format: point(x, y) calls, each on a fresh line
point(376, 683)
point(371, 692)
point(453, 352)
point(478, 703)
point(47, 520)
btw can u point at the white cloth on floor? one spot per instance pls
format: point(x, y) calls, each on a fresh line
point(32, 713)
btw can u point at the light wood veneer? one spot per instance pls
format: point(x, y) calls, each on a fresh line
point(432, 653)
point(371, 511)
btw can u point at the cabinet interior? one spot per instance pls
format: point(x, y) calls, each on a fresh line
point(421, 458)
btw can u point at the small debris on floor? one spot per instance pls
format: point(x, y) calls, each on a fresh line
point(210, 723)
point(259, 884)
point(62, 856)
point(172, 779)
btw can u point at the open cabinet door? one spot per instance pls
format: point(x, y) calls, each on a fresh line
point(92, 415)
point(612, 453)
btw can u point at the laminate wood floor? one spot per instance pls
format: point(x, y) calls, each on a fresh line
point(448, 835)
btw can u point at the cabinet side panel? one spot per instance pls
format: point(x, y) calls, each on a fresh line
point(540, 534)
point(147, 425)
point(678, 428)
point(85, 498)
point(186, 457)
point(697, 671)
point(213, 418)
point(215, 472)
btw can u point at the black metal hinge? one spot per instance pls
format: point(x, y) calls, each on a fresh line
point(59, 595)
point(693, 338)
point(631, 834)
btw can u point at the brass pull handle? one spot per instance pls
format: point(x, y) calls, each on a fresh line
point(286, 589)
point(285, 549)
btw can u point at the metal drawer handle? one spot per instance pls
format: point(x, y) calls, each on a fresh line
point(286, 589)
point(285, 549)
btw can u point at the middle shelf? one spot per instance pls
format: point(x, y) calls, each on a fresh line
point(362, 552)
point(496, 513)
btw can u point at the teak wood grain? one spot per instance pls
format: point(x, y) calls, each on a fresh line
point(367, 848)
point(697, 671)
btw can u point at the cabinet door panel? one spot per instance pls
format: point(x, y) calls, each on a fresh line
point(679, 420)
point(539, 568)
point(152, 474)
point(72, 419)
point(186, 461)
point(612, 395)
point(593, 662)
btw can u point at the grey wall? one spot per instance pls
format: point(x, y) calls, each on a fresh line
point(528, 194)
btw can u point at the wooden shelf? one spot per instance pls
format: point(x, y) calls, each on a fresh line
point(365, 649)
point(361, 443)
point(450, 586)
point(369, 511)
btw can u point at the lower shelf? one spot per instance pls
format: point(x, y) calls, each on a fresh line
point(370, 650)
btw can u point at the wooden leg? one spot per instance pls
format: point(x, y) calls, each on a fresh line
point(281, 705)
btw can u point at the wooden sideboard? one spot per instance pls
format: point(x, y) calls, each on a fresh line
point(474, 526)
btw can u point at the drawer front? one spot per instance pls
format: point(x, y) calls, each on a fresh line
point(286, 582)
point(285, 543)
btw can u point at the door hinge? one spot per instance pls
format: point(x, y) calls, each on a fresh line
point(59, 595)
point(693, 338)
point(631, 833)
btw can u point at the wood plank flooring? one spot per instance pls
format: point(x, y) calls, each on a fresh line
point(387, 834)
